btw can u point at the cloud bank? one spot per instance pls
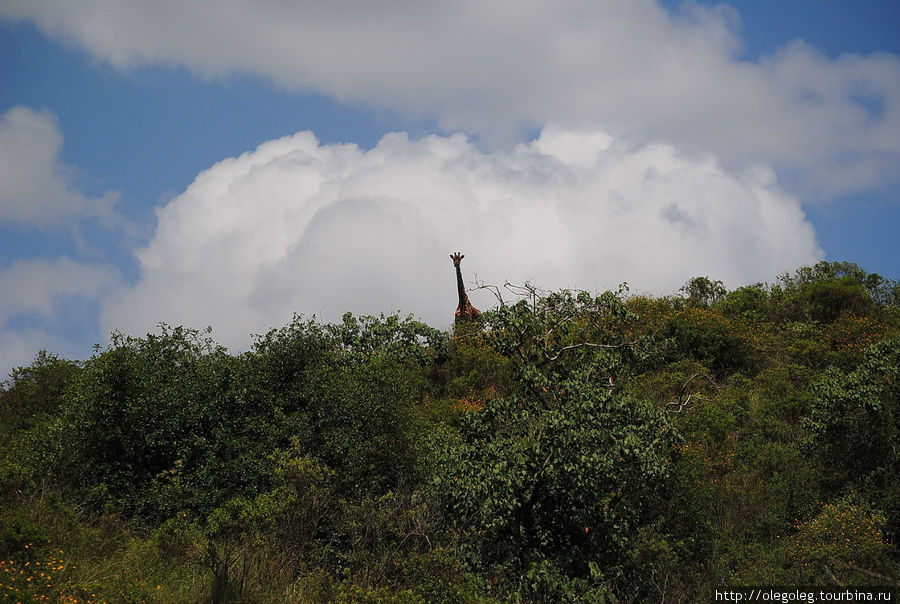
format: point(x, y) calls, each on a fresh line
point(298, 226)
point(38, 297)
point(44, 299)
point(830, 126)
point(36, 188)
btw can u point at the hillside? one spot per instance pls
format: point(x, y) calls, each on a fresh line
point(566, 446)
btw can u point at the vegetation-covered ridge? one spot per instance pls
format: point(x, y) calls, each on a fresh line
point(566, 446)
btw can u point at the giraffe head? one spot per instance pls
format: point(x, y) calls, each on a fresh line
point(457, 258)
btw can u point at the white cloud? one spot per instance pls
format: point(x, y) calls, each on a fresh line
point(34, 286)
point(296, 226)
point(39, 299)
point(493, 68)
point(36, 189)
point(42, 300)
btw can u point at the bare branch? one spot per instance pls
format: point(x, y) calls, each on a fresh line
point(685, 404)
point(588, 345)
point(833, 578)
point(865, 571)
point(491, 288)
point(692, 378)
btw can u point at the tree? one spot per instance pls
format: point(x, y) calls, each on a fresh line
point(33, 391)
point(859, 411)
point(548, 486)
point(150, 414)
point(702, 291)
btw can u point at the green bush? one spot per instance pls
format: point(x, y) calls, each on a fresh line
point(547, 487)
point(531, 456)
point(33, 392)
point(155, 424)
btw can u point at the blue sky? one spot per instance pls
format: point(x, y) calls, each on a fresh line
point(152, 169)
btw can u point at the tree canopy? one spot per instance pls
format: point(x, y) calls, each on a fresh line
point(568, 446)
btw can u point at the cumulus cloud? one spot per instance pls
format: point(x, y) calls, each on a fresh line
point(297, 226)
point(36, 189)
point(493, 68)
point(40, 299)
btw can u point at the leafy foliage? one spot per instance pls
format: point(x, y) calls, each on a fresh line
point(548, 485)
point(33, 392)
point(569, 446)
point(148, 415)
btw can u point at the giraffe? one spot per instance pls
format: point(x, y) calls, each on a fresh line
point(465, 311)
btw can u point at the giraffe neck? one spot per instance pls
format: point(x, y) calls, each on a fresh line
point(463, 298)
